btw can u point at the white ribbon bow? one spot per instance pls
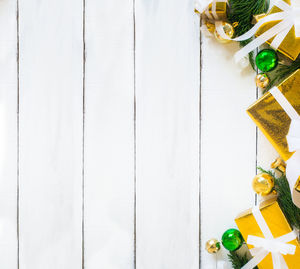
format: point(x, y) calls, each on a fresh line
point(288, 17)
point(263, 246)
point(293, 139)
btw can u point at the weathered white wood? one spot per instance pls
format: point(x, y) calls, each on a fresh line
point(51, 87)
point(8, 134)
point(167, 142)
point(109, 135)
point(228, 142)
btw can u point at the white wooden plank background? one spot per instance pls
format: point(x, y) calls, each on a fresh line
point(123, 133)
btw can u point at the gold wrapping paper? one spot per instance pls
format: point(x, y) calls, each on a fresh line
point(221, 10)
point(270, 117)
point(278, 226)
point(290, 46)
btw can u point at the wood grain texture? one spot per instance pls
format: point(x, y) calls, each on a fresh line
point(51, 86)
point(109, 135)
point(8, 134)
point(228, 142)
point(167, 124)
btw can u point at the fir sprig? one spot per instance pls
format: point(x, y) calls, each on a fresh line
point(282, 72)
point(242, 11)
point(238, 261)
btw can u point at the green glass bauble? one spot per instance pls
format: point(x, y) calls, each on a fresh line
point(232, 239)
point(266, 60)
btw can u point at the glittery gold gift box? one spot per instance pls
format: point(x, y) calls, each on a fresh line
point(278, 225)
point(221, 10)
point(290, 46)
point(270, 117)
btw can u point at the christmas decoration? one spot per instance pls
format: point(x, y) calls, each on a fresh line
point(267, 231)
point(276, 26)
point(287, 35)
point(277, 115)
point(228, 30)
point(262, 81)
point(263, 184)
point(266, 60)
point(217, 10)
point(279, 164)
point(212, 246)
point(237, 260)
point(232, 239)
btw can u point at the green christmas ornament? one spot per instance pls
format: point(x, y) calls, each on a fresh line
point(232, 239)
point(266, 60)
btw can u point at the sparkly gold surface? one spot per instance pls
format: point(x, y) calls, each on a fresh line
point(278, 226)
point(221, 10)
point(212, 246)
point(263, 184)
point(290, 46)
point(262, 81)
point(228, 30)
point(297, 185)
point(279, 164)
point(271, 119)
point(210, 26)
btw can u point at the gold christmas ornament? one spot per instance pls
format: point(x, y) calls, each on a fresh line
point(262, 81)
point(212, 246)
point(297, 185)
point(263, 184)
point(228, 30)
point(235, 24)
point(279, 164)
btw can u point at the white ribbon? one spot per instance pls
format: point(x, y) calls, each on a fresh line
point(288, 17)
point(268, 244)
point(293, 139)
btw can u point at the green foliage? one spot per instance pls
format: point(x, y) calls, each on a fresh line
point(282, 72)
point(291, 212)
point(237, 260)
point(242, 11)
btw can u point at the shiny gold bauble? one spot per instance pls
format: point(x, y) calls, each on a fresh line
point(297, 185)
point(228, 30)
point(263, 184)
point(212, 246)
point(262, 81)
point(279, 164)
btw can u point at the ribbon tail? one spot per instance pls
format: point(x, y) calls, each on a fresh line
point(256, 259)
point(260, 40)
point(276, 260)
point(283, 263)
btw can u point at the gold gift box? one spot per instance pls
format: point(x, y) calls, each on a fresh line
point(290, 46)
point(270, 117)
point(278, 225)
point(221, 10)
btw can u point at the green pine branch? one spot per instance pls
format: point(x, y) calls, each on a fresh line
point(238, 261)
point(242, 12)
point(281, 73)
